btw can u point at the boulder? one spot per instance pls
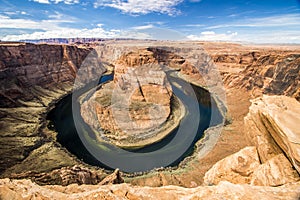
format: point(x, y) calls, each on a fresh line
point(275, 172)
point(236, 168)
point(277, 118)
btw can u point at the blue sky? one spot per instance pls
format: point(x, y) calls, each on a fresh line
point(258, 21)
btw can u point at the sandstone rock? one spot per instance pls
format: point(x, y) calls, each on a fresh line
point(32, 77)
point(20, 133)
point(136, 105)
point(280, 116)
point(236, 168)
point(45, 158)
point(31, 65)
point(114, 178)
point(24, 189)
point(275, 172)
point(258, 134)
point(71, 175)
point(269, 73)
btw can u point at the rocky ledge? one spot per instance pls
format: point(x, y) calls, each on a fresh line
point(272, 125)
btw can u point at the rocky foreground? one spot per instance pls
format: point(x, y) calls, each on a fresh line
point(256, 155)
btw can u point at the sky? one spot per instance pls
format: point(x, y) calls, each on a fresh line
point(253, 21)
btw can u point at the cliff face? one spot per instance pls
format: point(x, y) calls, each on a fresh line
point(27, 69)
point(33, 77)
point(272, 126)
point(263, 72)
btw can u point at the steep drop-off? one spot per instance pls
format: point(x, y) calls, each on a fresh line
point(33, 77)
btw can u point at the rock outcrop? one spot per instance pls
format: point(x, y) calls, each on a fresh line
point(272, 126)
point(28, 71)
point(272, 122)
point(236, 168)
point(134, 109)
point(244, 167)
point(275, 172)
point(35, 76)
point(267, 73)
point(25, 189)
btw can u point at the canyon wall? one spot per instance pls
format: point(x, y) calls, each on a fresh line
point(33, 77)
point(261, 71)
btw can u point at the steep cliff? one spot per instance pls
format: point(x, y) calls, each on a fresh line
point(27, 70)
point(33, 77)
point(263, 72)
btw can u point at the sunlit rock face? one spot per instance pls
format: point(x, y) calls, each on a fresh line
point(244, 167)
point(273, 126)
point(264, 72)
point(136, 104)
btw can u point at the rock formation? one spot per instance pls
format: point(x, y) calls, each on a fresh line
point(33, 77)
point(236, 168)
point(136, 106)
point(265, 72)
point(25, 189)
point(244, 167)
point(273, 121)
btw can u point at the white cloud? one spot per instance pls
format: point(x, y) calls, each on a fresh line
point(212, 36)
point(3, 17)
point(272, 21)
point(275, 37)
point(57, 1)
point(141, 6)
point(194, 25)
point(143, 27)
point(53, 23)
point(65, 1)
point(52, 28)
point(42, 1)
point(80, 33)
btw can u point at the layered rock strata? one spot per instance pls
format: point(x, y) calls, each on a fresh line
point(244, 167)
point(273, 124)
point(25, 189)
point(33, 77)
point(135, 109)
point(261, 71)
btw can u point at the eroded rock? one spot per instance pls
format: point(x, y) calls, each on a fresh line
point(278, 117)
point(275, 172)
point(236, 168)
point(25, 189)
point(134, 109)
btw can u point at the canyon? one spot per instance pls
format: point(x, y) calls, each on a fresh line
point(254, 154)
